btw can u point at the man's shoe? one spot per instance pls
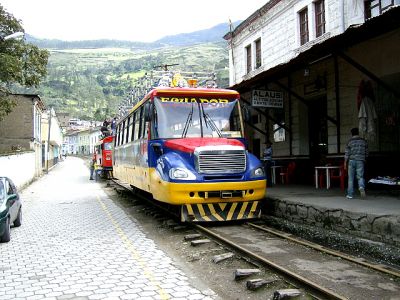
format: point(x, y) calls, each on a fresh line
point(362, 193)
point(349, 197)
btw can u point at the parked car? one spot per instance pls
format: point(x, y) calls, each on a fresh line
point(10, 208)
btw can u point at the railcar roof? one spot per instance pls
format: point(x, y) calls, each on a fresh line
point(162, 91)
point(191, 91)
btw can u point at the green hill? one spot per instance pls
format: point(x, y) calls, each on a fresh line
point(89, 79)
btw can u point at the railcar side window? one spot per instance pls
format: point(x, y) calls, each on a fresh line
point(154, 127)
point(143, 122)
point(132, 126)
point(116, 136)
point(123, 132)
point(145, 129)
point(119, 134)
point(137, 127)
point(140, 122)
point(128, 126)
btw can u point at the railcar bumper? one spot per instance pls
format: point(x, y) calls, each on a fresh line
point(206, 192)
point(214, 212)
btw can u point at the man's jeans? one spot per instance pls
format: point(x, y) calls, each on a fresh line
point(355, 167)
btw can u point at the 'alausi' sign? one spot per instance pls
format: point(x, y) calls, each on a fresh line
point(261, 98)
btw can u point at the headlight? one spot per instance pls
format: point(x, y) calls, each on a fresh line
point(181, 174)
point(259, 172)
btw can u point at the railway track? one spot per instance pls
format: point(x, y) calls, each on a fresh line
point(320, 272)
point(361, 261)
point(307, 284)
point(306, 267)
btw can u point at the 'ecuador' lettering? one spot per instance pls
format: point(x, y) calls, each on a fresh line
point(190, 100)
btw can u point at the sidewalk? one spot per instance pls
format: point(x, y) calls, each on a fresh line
point(376, 217)
point(76, 243)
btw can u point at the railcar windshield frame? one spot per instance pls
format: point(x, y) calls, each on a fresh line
point(175, 117)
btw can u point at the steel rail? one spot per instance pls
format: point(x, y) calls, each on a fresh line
point(314, 286)
point(376, 267)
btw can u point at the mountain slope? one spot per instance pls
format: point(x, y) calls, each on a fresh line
point(213, 34)
point(87, 44)
point(89, 79)
point(210, 35)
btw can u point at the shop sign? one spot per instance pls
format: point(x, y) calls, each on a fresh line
point(262, 98)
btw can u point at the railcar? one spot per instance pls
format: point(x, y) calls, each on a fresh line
point(185, 146)
point(103, 150)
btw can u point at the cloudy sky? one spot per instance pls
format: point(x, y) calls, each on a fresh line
point(135, 20)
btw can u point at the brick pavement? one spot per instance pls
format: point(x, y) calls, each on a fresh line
point(75, 243)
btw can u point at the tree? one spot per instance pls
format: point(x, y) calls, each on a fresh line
point(20, 63)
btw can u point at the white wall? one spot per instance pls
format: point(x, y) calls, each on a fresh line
point(19, 167)
point(278, 29)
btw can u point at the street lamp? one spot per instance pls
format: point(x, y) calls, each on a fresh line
point(15, 35)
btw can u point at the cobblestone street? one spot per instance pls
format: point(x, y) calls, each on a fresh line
point(76, 243)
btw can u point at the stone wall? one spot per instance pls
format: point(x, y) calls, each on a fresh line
point(380, 228)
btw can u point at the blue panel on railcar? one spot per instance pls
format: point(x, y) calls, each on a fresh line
point(164, 159)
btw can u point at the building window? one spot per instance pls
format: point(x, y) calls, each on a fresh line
point(279, 133)
point(375, 8)
point(258, 53)
point(248, 59)
point(303, 18)
point(319, 18)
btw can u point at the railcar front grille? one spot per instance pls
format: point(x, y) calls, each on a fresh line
point(221, 161)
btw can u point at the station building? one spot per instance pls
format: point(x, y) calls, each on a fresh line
point(308, 71)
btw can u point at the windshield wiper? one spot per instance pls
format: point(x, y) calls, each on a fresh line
point(210, 121)
point(188, 123)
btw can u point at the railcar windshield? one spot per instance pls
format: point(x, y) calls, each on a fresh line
point(108, 146)
point(196, 117)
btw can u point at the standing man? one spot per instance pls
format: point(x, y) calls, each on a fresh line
point(354, 161)
point(113, 125)
point(267, 158)
point(92, 166)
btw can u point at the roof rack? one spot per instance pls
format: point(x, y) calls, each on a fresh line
point(165, 78)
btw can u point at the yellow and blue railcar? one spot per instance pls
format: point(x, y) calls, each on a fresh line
point(186, 147)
